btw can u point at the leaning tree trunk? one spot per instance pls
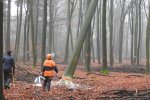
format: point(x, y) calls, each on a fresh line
point(68, 74)
point(1, 50)
point(44, 32)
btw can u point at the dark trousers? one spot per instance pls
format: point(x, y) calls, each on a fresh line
point(7, 76)
point(47, 83)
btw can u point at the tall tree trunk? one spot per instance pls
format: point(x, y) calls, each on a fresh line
point(32, 34)
point(92, 42)
point(111, 16)
point(1, 50)
point(136, 35)
point(127, 38)
point(131, 28)
point(8, 27)
point(44, 32)
point(87, 45)
point(28, 32)
point(51, 28)
point(122, 18)
point(68, 31)
point(36, 29)
point(98, 32)
point(19, 27)
point(104, 34)
point(79, 19)
point(16, 53)
point(25, 37)
point(71, 6)
point(4, 26)
point(147, 43)
point(79, 43)
point(19, 30)
point(139, 40)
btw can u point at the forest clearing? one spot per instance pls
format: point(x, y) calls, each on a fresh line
point(74, 49)
point(117, 85)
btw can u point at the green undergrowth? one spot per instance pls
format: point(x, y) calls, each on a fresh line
point(104, 71)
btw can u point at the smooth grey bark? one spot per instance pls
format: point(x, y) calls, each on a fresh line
point(79, 43)
point(51, 25)
point(80, 17)
point(4, 26)
point(87, 45)
point(8, 26)
point(1, 50)
point(18, 30)
point(136, 34)
point(28, 32)
point(71, 7)
point(131, 29)
point(98, 31)
point(68, 31)
point(104, 34)
point(111, 16)
point(25, 36)
point(132, 38)
point(139, 40)
point(16, 53)
point(44, 32)
point(92, 42)
point(127, 39)
point(147, 43)
point(32, 34)
point(122, 18)
point(36, 28)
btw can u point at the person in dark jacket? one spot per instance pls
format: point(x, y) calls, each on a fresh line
point(49, 67)
point(9, 69)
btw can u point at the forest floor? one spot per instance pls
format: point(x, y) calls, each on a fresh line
point(123, 82)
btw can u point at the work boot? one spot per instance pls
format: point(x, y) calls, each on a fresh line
point(7, 87)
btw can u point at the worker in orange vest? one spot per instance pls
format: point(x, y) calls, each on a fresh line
point(49, 67)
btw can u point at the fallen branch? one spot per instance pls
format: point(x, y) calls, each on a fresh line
point(134, 76)
point(98, 74)
point(123, 97)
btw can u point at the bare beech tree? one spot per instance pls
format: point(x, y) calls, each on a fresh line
point(1, 50)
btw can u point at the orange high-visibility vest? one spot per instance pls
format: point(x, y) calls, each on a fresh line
point(49, 63)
